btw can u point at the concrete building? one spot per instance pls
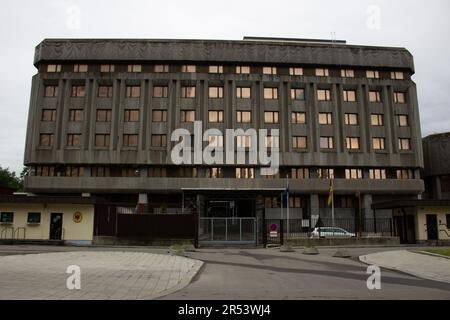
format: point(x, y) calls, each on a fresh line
point(102, 113)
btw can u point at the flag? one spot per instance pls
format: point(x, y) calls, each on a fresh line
point(330, 194)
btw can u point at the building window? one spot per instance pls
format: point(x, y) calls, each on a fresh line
point(186, 172)
point(377, 174)
point(214, 173)
point(347, 73)
point(445, 183)
point(46, 139)
point(399, 97)
point(352, 143)
point(188, 68)
point(187, 115)
point(397, 75)
point(34, 217)
point(215, 116)
point(242, 69)
point(299, 142)
point(402, 120)
point(130, 172)
point(52, 68)
point(48, 115)
point(299, 173)
point(272, 202)
point(378, 143)
point(325, 118)
point(51, 91)
point(160, 92)
point(80, 68)
point(7, 217)
point(188, 92)
point(404, 144)
point(271, 117)
point(75, 115)
point(215, 69)
point(134, 68)
point(244, 142)
point(298, 117)
point(372, 74)
point(103, 115)
point(102, 140)
point(245, 173)
point(297, 94)
point(351, 119)
point(448, 221)
point(243, 116)
point(243, 92)
point(131, 140)
point(161, 68)
point(78, 91)
point(270, 70)
point(349, 95)
point(107, 68)
point(157, 172)
point(405, 174)
point(215, 141)
point(100, 172)
point(133, 91)
point(323, 95)
point(346, 202)
point(296, 202)
point(45, 171)
point(321, 72)
point(159, 116)
point(105, 91)
point(377, 120)
point(272, 142)
point(131, 115)
point(215, 92)
point(353, 174)
point(271, 93)
point(295, 71)
point(326, 173)
point(326, 143)
point(374, 96)
point(73, 140)
point(159, 140)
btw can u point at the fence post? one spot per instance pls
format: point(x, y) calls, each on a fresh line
point(196, 227)
point(375, 220)
point(281, 232)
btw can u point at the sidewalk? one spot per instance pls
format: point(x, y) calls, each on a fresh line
point(416, 264)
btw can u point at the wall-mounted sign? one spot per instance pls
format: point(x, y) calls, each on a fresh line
point(77, 217)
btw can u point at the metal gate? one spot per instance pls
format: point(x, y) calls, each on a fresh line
point(234, 230)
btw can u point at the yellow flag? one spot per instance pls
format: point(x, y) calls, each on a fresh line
point(330, 194)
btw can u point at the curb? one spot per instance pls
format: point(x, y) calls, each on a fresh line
point(430, 254)
point(364, 260)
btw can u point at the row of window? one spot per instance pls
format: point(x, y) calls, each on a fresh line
point(214, 92)
point(32, 218)
point(270, 117)
point(243, 141)
point(219, 69)
point(219, 172)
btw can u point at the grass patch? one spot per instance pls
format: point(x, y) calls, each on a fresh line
point(442, 252)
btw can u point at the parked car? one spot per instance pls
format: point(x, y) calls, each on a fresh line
point(331, 232)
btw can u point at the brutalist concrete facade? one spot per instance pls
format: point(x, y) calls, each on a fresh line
point(229, 54)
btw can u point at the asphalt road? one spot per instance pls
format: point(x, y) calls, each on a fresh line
point(243, 273)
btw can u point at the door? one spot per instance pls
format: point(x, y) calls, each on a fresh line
point(432, 228)
point(56, 226)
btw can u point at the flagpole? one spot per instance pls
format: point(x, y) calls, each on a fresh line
point(287, 203)
point(332, 201)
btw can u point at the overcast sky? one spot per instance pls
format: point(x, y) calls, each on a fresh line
point(423, 27)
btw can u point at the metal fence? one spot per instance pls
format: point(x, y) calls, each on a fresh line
point(302, 228)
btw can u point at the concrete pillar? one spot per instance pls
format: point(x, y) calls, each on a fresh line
point(314, 205)
point(367, 211)
point(142, 203)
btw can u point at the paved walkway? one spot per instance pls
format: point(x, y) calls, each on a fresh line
point(417, 264)
point(104, 275)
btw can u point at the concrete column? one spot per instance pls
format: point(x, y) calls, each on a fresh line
point(314, 205)
point(142, 202)
point(366, 209)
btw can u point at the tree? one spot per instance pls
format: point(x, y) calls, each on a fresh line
point(8, 179)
